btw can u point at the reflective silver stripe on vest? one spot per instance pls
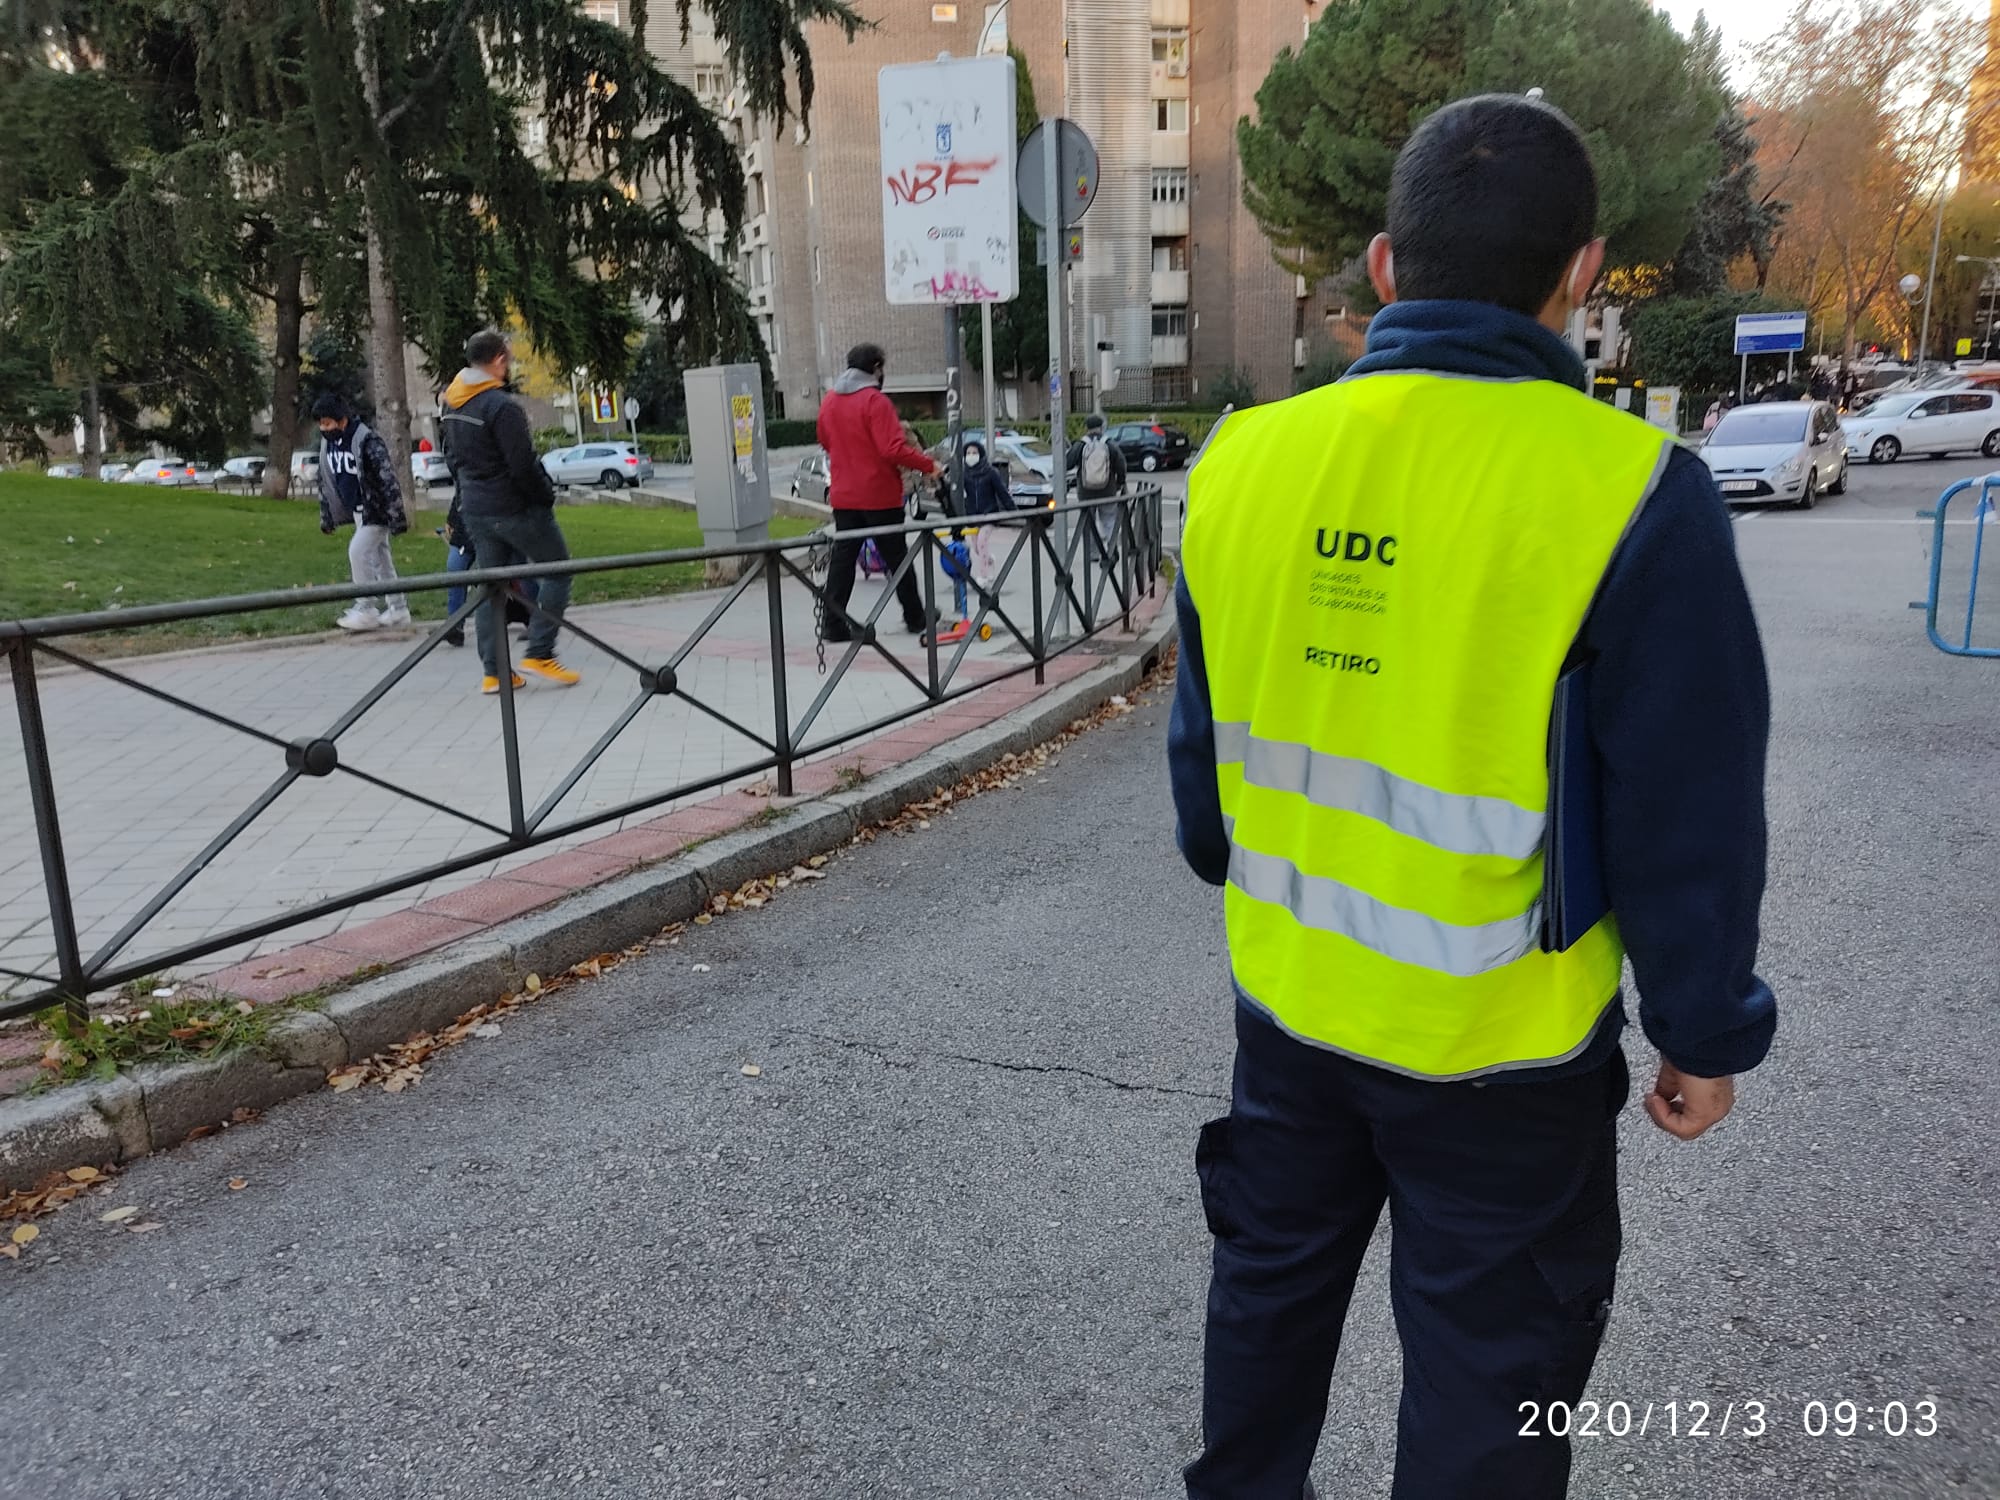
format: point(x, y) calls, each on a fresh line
point(1407, 936)
point(1464, 825)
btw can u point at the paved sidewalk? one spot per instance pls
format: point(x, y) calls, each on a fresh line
point(144, 785)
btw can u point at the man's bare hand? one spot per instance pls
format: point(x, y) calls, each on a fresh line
point(1686, 1106)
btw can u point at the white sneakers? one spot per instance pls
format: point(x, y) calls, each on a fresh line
point(358, 618)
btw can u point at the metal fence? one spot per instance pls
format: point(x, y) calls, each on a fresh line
point(1985, 512)
point(1087, 566)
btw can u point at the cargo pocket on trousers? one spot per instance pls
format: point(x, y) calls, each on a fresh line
point(1211, 1159)
point(1579, 1264)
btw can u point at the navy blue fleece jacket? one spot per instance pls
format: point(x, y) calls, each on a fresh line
point(1679, 717)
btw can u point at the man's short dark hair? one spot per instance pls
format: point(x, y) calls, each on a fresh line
point(485, 346)
point(330, 404)
point(866, 357)
point(1093, 422)
point(1490, 199)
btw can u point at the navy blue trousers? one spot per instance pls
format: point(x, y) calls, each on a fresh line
point(1504, 1239)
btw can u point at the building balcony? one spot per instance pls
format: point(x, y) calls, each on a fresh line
point(1170, 222)
point(1170, 288)
point(1169, 349)
point(1170, 148)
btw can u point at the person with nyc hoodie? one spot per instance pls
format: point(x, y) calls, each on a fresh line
point(357, 482)
point(507, 502)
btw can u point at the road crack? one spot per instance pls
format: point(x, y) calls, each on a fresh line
point(925, 1054)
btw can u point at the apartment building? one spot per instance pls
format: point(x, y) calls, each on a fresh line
point(1176, 269)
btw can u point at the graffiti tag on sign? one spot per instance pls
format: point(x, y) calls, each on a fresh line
point(742, 418)
point(933, 179)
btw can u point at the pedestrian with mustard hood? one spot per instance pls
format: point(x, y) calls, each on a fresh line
point(1471, 707)
point(508, 504)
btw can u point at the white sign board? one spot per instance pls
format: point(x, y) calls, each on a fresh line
point(949, 232)
point(1770, 333)
point(1663, 407)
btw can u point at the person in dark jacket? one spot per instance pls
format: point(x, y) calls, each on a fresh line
point(1098, 467)
point(986, 495)
point(866, 450)
point(507, 500)
point(357, 482)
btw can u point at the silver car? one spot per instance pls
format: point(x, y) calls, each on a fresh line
point(809, 480)
point(1778, 452)
point(613, 465)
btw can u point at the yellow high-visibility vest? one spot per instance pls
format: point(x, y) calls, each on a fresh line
point(1390, 572)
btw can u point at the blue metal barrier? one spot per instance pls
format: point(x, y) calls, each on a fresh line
point(1981, 512)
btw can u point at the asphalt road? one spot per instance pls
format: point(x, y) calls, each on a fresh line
point(948, 1245)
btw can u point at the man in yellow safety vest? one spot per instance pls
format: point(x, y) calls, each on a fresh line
point(1388, 586)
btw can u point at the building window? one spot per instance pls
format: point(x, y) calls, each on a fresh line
point(709, 83)
point(765, 275)
point(1170, 323)
point(1170, 255)
point(601, 10)
point(1170, 185)
point(1170, 53)
point(537, 136)
point(1170, 116)
point(812, 197)
point(760, 201)
point(816, 266)
point(1171, 387)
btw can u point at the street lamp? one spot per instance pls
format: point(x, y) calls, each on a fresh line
point(1988, 285)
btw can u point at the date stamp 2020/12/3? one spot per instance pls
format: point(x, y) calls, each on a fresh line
point(1743, 1417)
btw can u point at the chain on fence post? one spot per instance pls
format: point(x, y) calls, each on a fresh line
point(48, 831)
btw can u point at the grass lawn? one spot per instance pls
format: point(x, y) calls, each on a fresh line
point(68, 546)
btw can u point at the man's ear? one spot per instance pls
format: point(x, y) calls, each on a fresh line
point(1382, 268)
point(1584, 271)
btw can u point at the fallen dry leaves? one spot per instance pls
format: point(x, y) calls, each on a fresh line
point(44, 1198)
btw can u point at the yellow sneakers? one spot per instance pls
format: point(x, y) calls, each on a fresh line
point(550, 670)
point(490, 686)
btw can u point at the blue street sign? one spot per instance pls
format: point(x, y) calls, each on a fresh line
point(1770, 333)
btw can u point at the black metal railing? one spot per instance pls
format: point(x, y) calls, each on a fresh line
point(1088, 566)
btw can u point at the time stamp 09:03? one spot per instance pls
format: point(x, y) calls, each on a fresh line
point(1733, 1419)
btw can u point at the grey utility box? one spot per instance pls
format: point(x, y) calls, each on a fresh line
point(732, 470)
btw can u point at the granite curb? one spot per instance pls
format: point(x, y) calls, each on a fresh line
point(149, 1108)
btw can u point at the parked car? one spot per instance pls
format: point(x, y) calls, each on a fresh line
point(430, 469)
point(112, 473)
point(809, 480)
point(1913, 422)
point(65, 471)
point(305, 470)
point(172, 473)
point(613, 465)
point(1783, 452)
point(1151, 445)
point(202, 474)
point(248, 469)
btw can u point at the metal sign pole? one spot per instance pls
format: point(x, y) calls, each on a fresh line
point(1052, 228)
point(986, 392)
point(954, 409)
point(1742, 379)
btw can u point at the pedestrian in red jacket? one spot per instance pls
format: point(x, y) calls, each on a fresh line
point(866, 450)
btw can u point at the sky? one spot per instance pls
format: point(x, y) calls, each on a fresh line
point(1746, 22)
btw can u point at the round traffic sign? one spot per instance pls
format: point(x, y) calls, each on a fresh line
point(1076, 173)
